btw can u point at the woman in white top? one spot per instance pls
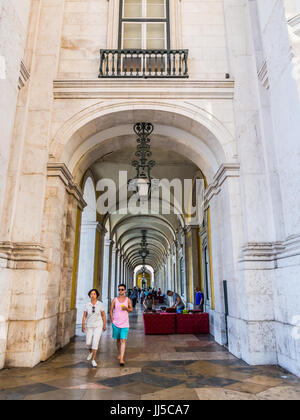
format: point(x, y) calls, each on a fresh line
point(93, 323)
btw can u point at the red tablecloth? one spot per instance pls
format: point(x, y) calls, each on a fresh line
point(159, 323)
point(195, 323)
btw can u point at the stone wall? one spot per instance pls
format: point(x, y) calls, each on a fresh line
point(281, 49)
point(13, 31)
point(246, 141)
point(197, 25)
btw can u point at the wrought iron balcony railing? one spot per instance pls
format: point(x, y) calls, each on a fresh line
point(143, 64)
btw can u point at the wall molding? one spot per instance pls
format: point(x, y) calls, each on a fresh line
point(61, 171)
point(226, 170)
point(24, 75)
point(143, 89)
point(294, 23)
point(22, 255)
point(271, 251)
point(263, 76)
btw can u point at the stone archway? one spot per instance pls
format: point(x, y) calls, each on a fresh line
point(86, 137)
point(92, 134)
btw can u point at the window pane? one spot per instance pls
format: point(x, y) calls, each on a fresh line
point(132, 36)
point(156, 44)
point(156, 30)
point(132, 44)
point(133, 8)
point(156, 36)
point(156, 9)
point(132, 30)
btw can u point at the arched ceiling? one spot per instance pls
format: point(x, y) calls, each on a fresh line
point(126, 229)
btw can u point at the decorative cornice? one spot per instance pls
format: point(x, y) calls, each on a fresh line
point(61, 171)
point(294, 22)
point(291, 247)
point(271, 251)
point(143, 89)
point(24, 75)
point(21, 255)
point(227, 170)
point(264, 251)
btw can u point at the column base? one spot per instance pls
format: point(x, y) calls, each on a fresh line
point(66, 327)
point(253, 341)
point(24, 343)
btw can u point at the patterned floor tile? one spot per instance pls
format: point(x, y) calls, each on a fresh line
point(176, 367)
point(249, 387)
point(60, 395)
point(265, 380)
point(281, 393)
point(175, 394)
point(220, 394)
point(116, 372)
point(112, 395)
point(139, 388)
point(21, 392)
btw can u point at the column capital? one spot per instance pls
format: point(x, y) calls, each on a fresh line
point(226, 170)
point(89, 225)
point(21, 255)
point(61, 171)
point(101, 229)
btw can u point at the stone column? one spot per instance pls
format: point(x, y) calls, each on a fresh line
point(13, 35)
point(66, 310)
point(100, 270)
point(177, 265)
point(61, 222)
point(256, 326)
point(26, 196)
point(106, 272)
point(86, 268)
point(112, 275)
point(118, 274)
point(224, 221)
point(121, 268)
point(115, 273)
point(169, 271)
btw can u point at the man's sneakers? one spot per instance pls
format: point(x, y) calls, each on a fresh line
point(94, 363)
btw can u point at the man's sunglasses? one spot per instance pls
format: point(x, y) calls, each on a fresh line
point(121, 290)
point(93, 309)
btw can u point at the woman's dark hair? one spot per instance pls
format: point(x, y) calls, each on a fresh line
point(94, 290)
point(149, 296)
point(122, 285)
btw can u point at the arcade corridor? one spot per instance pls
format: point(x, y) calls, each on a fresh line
point(179, 367)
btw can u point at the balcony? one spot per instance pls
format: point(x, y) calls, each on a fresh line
point(144, 64)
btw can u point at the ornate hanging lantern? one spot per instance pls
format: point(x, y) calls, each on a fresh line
point(143, 166)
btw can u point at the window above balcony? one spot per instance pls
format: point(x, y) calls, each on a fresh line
point(144, 49)
point(144, 24)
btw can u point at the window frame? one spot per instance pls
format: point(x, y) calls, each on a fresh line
point(165, 20)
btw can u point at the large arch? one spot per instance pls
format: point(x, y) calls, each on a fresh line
point(198, 134)
point(95, 133)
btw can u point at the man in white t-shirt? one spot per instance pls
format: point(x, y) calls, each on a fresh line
point(93, 323)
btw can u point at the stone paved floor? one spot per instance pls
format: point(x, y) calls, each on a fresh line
point(179, 367)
